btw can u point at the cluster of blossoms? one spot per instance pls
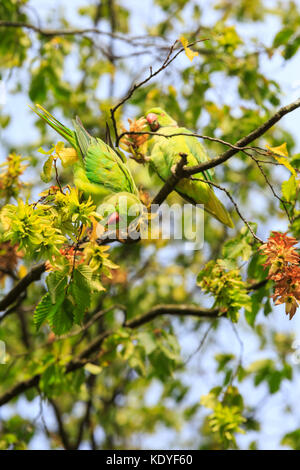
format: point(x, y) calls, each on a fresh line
point(71, 256)
point(13, 168)
point(284, 269)
point(133, 143)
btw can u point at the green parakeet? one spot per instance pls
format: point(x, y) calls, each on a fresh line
point(119, 210)
point(165, 155)
point(99, 170)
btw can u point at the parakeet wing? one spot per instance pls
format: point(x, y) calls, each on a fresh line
point(96, 191)
point(99, 170)
point(83, 138)
point(183, 144)
point(103, 166)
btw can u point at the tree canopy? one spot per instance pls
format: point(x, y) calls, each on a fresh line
point(134, 342)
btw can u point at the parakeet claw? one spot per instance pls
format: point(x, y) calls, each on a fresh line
point(173, 169)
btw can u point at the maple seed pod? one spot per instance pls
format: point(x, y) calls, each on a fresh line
point(113, 218)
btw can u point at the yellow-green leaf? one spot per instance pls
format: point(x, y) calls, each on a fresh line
point(67, 155)
point(47, 169)
point(280, 150)
point(289, 189)
point(189, 53)
point(280, 153)
point(92, 368)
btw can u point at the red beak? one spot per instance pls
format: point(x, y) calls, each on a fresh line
point(151, 117)
point(113, 218)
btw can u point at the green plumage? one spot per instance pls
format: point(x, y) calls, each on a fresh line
point(164, 155)
point(103, 166)
point(99, 170)
point(127, 205)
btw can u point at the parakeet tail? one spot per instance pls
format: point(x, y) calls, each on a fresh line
point(201, 193)
point(217, 210)
point(84, 139)
point(56, 125)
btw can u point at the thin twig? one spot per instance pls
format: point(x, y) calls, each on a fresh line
point(49, 32)
point(271, 187)
point(257, 149)
point(235, 205)
point(201, 344)
point(89, 323)
point(168, 60)
point(57, 177)
point(258, 132)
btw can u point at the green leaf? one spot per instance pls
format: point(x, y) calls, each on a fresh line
point(85, 272)
point(38, 87)
point(295, 161)
point(47, 169)
point(289, 189)
point(42, 311)
point(93, 368)
point(282, 37)
point(58, 318)
point(227, 287)
point(256, 270)
point(147, 339)
point(241, 245)
point(56, 282)
point(61, 320)
point(80, 290)
point(256, 298)
point(292, 48)
point(292, 439)
point(53, 380)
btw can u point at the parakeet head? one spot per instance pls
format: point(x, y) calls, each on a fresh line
point(120, 209)
point(157, 117)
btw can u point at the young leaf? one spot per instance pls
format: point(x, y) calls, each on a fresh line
point(47, 169)
point(42, 311)
point(280, 153)
point(289, 189)
point(61, 319)
point(80, 290)
point(56, 282)
point(189, 53)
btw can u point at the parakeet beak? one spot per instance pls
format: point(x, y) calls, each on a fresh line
point(152, 121)
point(113, 218)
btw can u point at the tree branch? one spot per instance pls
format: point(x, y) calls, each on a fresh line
point(48, 32)
point(261, 130)
point(194, 134)
point(259, 240)
point(158, 310)
point(240, 145)
point(19, 388)
point(171, 182)
point(172, 309)
point(84, 356)
point(21, 286)
point(61, 430)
